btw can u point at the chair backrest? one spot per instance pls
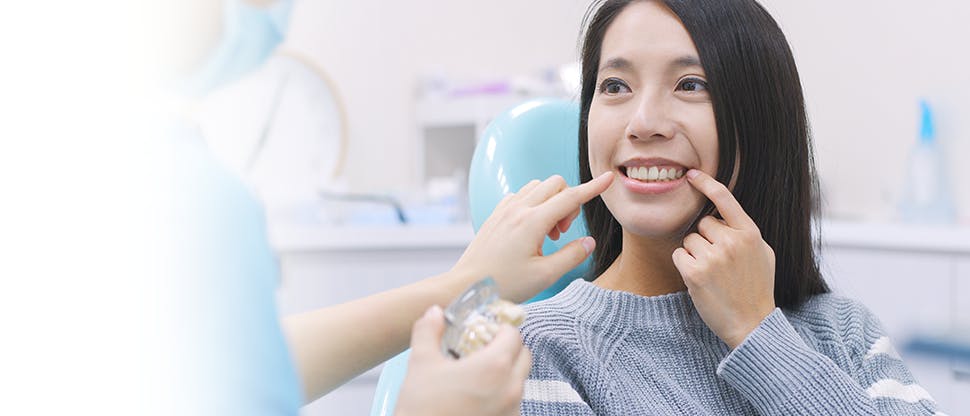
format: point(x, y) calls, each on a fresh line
point(533, 140)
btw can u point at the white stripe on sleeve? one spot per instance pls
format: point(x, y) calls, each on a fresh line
point(550, 391)
point(893, 389)
point(882, 346)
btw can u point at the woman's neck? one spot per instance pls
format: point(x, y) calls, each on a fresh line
point(644, 267)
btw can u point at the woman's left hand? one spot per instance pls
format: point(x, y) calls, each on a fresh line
point(728, 268)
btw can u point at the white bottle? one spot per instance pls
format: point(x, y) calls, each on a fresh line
point(926, 198)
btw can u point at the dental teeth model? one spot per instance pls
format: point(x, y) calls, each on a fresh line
point(475, 318)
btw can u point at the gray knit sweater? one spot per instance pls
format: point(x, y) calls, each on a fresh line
point(605, 352)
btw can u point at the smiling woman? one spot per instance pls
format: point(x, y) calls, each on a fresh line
point(706, 295)
point(684, 117)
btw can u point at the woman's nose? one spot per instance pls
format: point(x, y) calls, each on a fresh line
point(650, 120)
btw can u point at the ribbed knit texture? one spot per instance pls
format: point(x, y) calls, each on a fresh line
point(605, 352)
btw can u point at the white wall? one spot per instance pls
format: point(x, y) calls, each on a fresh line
point(864, 63)
point(376, 50)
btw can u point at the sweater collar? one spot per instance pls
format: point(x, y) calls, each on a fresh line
point(592, 303)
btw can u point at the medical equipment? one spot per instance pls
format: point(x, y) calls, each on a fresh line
point(475, 317)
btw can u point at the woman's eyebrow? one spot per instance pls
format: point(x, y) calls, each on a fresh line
point(617, 64)
point(620, 64)
point(687, 61)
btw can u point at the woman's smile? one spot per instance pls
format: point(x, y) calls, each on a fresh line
point(652, 176)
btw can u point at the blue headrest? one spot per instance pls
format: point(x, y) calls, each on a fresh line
point(533, 140)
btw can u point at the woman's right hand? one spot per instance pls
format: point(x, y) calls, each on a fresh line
point(508, 247)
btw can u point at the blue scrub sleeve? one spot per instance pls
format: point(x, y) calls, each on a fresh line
point(232, 351)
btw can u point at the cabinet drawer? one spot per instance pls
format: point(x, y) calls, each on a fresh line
point(961, 293)
point(961, 369)
point(318, 279)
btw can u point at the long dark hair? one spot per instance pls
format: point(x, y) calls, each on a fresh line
point(760, 116)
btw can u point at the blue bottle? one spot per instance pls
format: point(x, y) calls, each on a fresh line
point(926, 198)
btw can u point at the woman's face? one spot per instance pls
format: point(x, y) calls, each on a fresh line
point(651, 120)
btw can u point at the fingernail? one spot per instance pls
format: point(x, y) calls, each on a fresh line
point(434, 310)
point(589, 243)
point(691, 174)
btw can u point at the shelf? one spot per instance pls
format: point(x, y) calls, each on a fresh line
point(474, 110)
point(897, 237)
point(293, 238)
point(842, 234)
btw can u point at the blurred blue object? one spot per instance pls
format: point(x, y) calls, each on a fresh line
point(232, 355)
point(533, 140)
point(927, 197)
point(953, 346)
point(250, 35)
point(389, 385)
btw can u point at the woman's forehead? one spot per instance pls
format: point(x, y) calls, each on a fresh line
point(647, 32)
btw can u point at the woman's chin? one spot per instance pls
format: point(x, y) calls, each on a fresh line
point(663, 227)
point(654, 218)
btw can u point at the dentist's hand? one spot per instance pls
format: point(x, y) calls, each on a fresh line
point(508, 247)
point(728, 268)
point(488, 382)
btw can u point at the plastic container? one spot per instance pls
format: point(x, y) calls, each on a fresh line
point(475, 317)
point(926, 198)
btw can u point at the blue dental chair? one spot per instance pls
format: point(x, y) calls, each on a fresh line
point(533, 140)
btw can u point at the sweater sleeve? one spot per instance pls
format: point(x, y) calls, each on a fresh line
point(780, 374)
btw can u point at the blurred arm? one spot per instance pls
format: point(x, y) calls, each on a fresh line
point(332, 345)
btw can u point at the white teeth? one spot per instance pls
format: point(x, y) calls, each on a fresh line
point(654, 173)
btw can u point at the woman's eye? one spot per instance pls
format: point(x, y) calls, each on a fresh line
point(692, 85)
point(613, 86)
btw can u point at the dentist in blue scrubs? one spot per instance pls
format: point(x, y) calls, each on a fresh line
point(237, 357)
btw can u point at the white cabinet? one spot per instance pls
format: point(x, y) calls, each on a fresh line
point(314, 280)
point(962, 294)
point(449, 128)
point(961, 369)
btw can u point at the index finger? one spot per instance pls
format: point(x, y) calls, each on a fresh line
point(726, 204)
point(564, 203)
